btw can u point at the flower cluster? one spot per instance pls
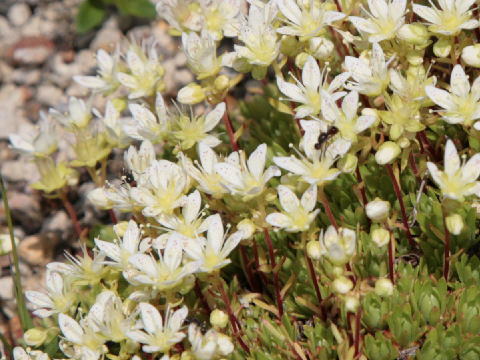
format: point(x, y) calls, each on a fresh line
point(285, 218)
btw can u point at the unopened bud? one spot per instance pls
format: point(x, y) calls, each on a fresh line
point(119, 104)
point(454, 224)
point(300, 59)
point(351, 303)
point(191, 94)
point(248, 228)
point(6, 244)
point(321, 48)
point(314, 250)
point(378, 209)
point(471, 55)
point(222, 83)
point(289, 45)
point(348, 163)
point(384, 287)
point(416, 34)
point(97, 197)
point(218, 318)
point(387, 153)
point(380, 237)
point(342, 285)
point(120, 228)
point(35, 336)
point(442, 47)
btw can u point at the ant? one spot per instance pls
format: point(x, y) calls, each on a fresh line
point(128, 178)
point(324, 136)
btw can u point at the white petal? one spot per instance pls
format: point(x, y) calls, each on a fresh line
point(290, 10)
point(291, 90)
point(231, 243)
point(215, 233)
point(440, 97)
point(39, 299)
point(256, 161)
point(451, 160)
point(378, 59)
point(173, 252)
point(288, 199)
point(192, 207)
point(435, 173)
point(177, 319)
point(54, 282)
point(378, 8)
point(363, 25)
point(278, 219)
point(309, 198)
point(471, 170)
point(364, 122)
point(311, 74)
point(470, 24)
point(459, 81)
point(332, 16)
point(426, 12)
point(350, 105)
point(91, 82)
point(330, 110)
point(110, 249)
point(208, 158)
point(72, 331)
point(214, 116)
point(290, 163)
point(144, 263)
point(105, 61)
point(135, 63)
point(231, 174)
point(131, 237)
point(151, 318)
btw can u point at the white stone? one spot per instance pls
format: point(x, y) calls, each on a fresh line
point(18, 14)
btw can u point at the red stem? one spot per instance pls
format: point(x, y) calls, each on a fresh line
point(73, 215)
point(398, 191)
point(228, 124)
point(311, 269)
point(326, 204)
point(358, 317)
point(113, 216)
point(362, 186)
point(429, 147)
point(446, 268)
point(248, 271)
point(414, 167)
point(339, 8)
point(200, 295)
point(390, 255)
point(275, 273)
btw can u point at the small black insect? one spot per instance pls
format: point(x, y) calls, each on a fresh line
point(128, 178)
point(324, 136)
point(201, 324)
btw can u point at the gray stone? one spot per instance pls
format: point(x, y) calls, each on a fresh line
point(19, 14)
point(26, 210)
point(32, 250)
point(6, 288)
point(26, 77)
point(49, 95)
point(58, 227)
point(106, 39)
point(19, 170)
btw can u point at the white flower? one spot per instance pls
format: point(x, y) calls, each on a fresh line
point(201, 53)
point(189, 223)
point(471, 55)
point(180, 15)
point(190, 129)
point(159, 336)
point(221, 17)
point(387, 152)
point(20, 354)
point(161, 188)
point(338, 246)
point(261, 45)
point(461, 104)
point(139, 161)
point(78, 116)
point(58, 298)
point(210, 345)
point(308, 93)
point(208, 180)
point(316, 166)
point(106, 80)
point(458, 179)
point(144, 125)
point(81, 340)
point(452, 17)
point(297, 215)
point(42, 142)
point(165, 273)
point(378, 210)
point(246, 178)
point(117, 196)
point(145, 71)
point(346, 120)
point(307, 19)
point(384, 19)
point(370, 76)
point(213, 252)
point(114, 126)
point(120, 251)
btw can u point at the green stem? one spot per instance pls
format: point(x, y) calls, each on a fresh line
point(25, 318)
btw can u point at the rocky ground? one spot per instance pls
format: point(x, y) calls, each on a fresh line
point(39, 54)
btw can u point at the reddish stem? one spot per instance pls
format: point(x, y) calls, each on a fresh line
point(398, 191)
point(326, 204)
point(339, 8)
point(315, 283)
point(390, 255)
point(476, 31)
point(446, 268)
point(362, 187)
point(73, 215)
point(414, 167)
point(257, 264)
point(358, 317)
point(275, 273)
point(248, 271)
point(200, 295)
point(428, 146)
point(228, 124)
point(113, 216)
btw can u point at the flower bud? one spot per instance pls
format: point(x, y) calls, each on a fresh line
point(6, 244)
point(338, 271)
point(342, 285)
point(380, 237)
point(384, 287)
point(321, 48)
point(338, 245)
point(120, 104)
point(222, 82)
point(224, 344)
point(387, 152)
point(218, 318)
point(300, 59)
point(454, 224)
point(248, 228)
point(416, 34)
point(442, 47)
point(314, 250)
point(378, 209)
point(191, 94)
point(120, 228)
point(348, 163)
point(288, 45)
point(471, 55)
point(35, 336)
point(97, 197)
point(351, 303)
point(415, 57)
